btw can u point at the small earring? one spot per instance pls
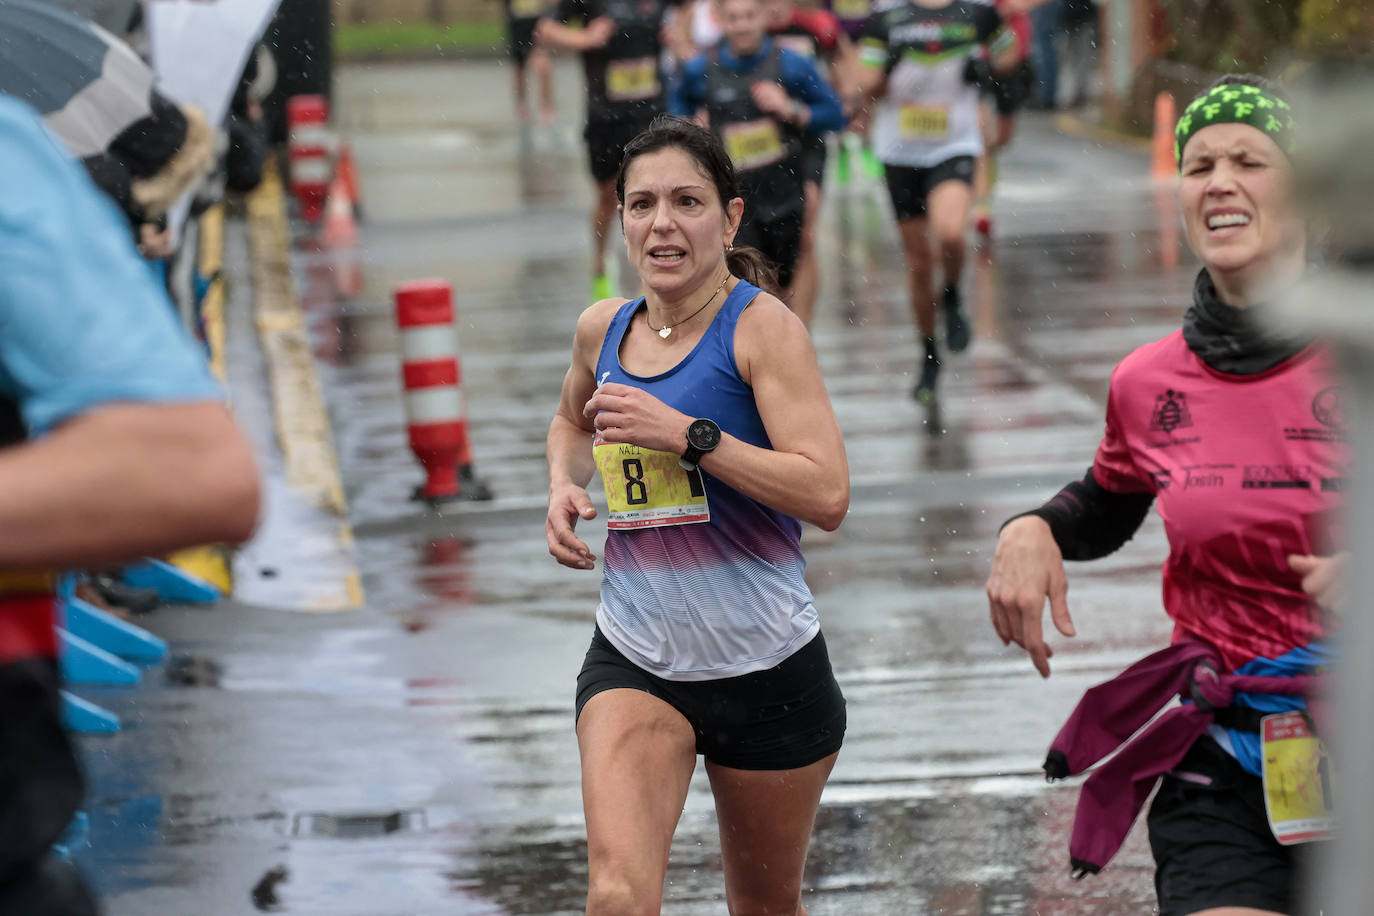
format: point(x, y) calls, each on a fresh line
point(729, 248)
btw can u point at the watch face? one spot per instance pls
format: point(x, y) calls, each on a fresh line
point(703, 435)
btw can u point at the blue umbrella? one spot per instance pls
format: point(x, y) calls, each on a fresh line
point(88, 85)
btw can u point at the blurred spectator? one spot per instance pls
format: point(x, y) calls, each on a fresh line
point(116, 445)
point(1047, 19)
point(1081, 33)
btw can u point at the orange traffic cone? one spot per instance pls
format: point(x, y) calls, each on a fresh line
point(340, 230)
point(1163, 165)
point(339, 237)
point(348, 171)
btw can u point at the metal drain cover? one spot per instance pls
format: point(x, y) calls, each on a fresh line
point(357, 824)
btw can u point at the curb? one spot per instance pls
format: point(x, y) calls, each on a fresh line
point(1075, 126)
point(211, 562)
point(300, 418)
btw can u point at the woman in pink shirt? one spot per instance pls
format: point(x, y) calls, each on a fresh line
point(1236, 432)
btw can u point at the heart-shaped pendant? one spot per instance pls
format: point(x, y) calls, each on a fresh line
point(664, 332)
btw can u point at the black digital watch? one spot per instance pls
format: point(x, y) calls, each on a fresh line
point(703, 435)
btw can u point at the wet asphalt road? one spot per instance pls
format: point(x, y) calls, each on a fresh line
point(447, 700)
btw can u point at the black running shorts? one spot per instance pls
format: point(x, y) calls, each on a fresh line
point(1212, 843)
point(520, 38)
point(909, 187)
point(779, 238)
point(606, 144)
point(783, 718)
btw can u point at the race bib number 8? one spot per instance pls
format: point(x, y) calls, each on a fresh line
point(753, 144)
point(632, 80)
point(923, 122)
point(648, 489)
point(1299, 786)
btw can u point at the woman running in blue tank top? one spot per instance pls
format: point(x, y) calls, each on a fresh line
point(701, 405)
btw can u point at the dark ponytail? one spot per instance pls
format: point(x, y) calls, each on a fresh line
point(754, 266)
point(706, 150)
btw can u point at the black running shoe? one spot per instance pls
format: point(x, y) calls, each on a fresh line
point(924, 392)
point(957, 333)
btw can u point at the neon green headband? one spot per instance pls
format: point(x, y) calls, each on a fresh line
point(1239, 104)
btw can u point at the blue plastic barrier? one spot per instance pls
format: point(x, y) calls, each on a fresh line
point(108, 632)
point(76, 836)
point(86, 718)
point(175, 586)
point(82, 662)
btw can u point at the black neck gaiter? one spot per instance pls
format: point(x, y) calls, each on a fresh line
point(1232, 340)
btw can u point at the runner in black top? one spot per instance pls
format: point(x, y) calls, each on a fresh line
point(761, 99)
point(916, 58)
point(521, 17)
point(621, 43)
point(817, 36)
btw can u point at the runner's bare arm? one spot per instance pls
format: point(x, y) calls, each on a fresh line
point(871, 76)
point(126, 480)
point(569, 444)
point(805, 473)
point(844, 71)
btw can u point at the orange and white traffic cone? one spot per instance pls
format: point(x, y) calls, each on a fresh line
point(339, 237)
point(347, 169)
point(1163, 165)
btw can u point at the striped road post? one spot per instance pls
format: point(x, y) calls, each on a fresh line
point(435, 411)
point(309, 146)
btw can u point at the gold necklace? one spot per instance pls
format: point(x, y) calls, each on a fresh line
point(668, 328)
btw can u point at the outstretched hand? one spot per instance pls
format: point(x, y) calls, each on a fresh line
point(1027, 569)
point(568, 504)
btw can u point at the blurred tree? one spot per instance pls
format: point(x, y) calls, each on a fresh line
point(1336, 28)
point(1235, 35)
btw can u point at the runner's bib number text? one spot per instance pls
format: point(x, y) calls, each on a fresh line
point(632, 80)
point(923, 122)
point(1299, 785)
point(753, 144)
point(648, 489)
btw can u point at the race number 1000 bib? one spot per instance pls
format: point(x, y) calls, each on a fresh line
point(1299, 786)
point(648, 489)
point(753, 144)
point(632, 80)
point(923, 122)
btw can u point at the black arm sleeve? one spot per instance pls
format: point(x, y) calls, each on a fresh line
point(1089, 521)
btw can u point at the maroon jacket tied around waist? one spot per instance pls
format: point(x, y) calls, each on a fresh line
point(1109, 717)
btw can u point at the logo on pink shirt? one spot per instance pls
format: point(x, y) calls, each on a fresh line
point(1171, 412)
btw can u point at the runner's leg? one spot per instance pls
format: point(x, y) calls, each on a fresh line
point(920, 267)
point(916, 245)
point(638, 753)
point(948, 204)
point(806, 276)
point(982, 171)
point(603, 213)
point(522, 106)
point(543, 71)
point(766, 818)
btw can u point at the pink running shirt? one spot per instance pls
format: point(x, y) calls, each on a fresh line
point(1245, 470)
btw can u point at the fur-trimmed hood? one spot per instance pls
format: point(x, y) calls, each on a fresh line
point(194, 158)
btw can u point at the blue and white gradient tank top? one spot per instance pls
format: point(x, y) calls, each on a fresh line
point(701, 582)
